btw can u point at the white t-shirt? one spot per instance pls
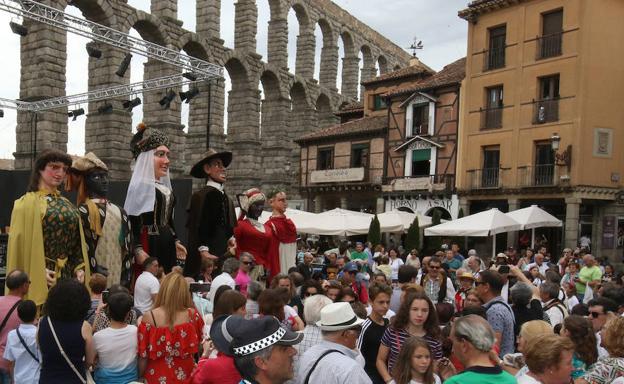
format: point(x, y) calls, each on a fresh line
point(116, 348)
point(395, 264)
point(26, 368)
point(436, 380)
point(146, 285)
point(572, 301)
point(389, 315)
point(222, 279)
point(526, 379)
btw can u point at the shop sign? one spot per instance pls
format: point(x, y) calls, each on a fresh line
point(337, 175)
point(412, 184)
point(425, 205)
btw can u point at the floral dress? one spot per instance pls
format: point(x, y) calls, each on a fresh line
point(169, 353)
point(61, 237)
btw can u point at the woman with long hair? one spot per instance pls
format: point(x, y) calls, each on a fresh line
point(395, 263)
point(170, 334)
point(65, 311)
point(272, 302)
point(608, 369)
point(580, 331)
point(415, 364)
point(416, 317)
point(46, 239)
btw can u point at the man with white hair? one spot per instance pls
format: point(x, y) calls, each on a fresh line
point(333, 361)
point(312, 313)
point(473, 339)
point(473, 263)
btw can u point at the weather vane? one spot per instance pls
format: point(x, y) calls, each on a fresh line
point(416, 45)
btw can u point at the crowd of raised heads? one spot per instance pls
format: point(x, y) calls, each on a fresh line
point(101, 293)
point(338, 316)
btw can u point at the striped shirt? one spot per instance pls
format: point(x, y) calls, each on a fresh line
point(394, 338)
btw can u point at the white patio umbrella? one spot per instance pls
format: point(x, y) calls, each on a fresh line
point(399, 221)
point(486, 223)
point(343, 222)
point(534, 217)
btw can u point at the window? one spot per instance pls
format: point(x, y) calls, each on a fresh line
point(359, 155)
point(325, 159)
point(493, 113)
point(420, 119)
point(544, 164)
point(549, 44)
point(491, 167)
point(547, 107)
point(421, 162)
point(495, 56)
point(379, 102)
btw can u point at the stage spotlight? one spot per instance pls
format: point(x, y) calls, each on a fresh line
point(123, 66)
point(188, 95)
point(75, 113)
point(128, 105)
point(106, 108)
point(190, 75)
point(165, 102)
point(93, 51)
point(18, 29)
point(1, 113)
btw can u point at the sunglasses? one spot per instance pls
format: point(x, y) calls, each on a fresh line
point(595, 315)
point(247, 262)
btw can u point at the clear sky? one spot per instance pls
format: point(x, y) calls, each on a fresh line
point(435, 22)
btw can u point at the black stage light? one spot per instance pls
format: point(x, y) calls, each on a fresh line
point(190, 75)
point(123, 66)
point(106, 108)
point(93, 51)
point(18, 29)
point(1, 113)
point(75, 113)
point(188, 95)
point(165, 102)
point(128, 105)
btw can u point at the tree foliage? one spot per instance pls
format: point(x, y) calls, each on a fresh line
point(374, 232)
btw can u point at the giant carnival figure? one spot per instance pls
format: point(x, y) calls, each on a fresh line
point(45, 238)
point(211, 215)
point(150, 200)
point(105, 225)
point(284, 244)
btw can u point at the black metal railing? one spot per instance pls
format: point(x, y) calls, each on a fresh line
point(420, 129)
point(540, 175)
point(494, 58)
point(485, 178)
point(545, 111)
point(549, 46)
point(492, 117)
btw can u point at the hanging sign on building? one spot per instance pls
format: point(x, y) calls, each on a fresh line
point(337, 175)
point(424, 205)
point(608, 232)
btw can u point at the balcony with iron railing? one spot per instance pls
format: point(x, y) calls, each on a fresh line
point(485, 178)
point(494, 58)
point(549, 46)
point(491, 117)
point(545, 111)
point(539, 175)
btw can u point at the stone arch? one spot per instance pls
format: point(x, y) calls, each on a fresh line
point(306, 42)
point(396, 67)
point(324, 111)
point(329, 55)
point(148, 26)
point(194, 45)
point(382, 63)
point(367, 70)
point(350, 66)
point(98, 11)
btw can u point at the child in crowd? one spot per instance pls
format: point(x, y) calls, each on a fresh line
point(116, 346)
point(21, 349)
point(536, 277)
point(415, 364)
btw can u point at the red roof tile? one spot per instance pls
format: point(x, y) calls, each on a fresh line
point(356, 106)
point(354, 127)
point(411, 71)
point(451, 74)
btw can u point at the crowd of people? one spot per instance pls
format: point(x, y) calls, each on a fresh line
point(105, 294)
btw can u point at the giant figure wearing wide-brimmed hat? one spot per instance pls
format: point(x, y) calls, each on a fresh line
point(211, 215)
point(105, 225)
point(150, 200)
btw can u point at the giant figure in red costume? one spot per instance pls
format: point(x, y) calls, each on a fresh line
point(254, 237)
point(284, 243)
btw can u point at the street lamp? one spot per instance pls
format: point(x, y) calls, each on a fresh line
point(563, 158)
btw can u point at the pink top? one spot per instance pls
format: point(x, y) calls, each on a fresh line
point(242, 280)
point(6, 302)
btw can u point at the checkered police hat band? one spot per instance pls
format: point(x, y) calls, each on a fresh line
point(260, 344)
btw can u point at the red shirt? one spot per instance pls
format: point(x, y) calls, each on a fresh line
point(250, 239)
point(361, 291)
point(220, 370)
point(283, 230)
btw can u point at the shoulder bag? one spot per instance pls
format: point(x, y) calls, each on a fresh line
point(88, 379)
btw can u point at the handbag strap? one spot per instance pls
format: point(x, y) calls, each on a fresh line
point(58, 344)
point(307, 378)
point(6, 318)
point(21, 339)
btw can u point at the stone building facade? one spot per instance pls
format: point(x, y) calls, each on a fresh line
point(293, 103)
